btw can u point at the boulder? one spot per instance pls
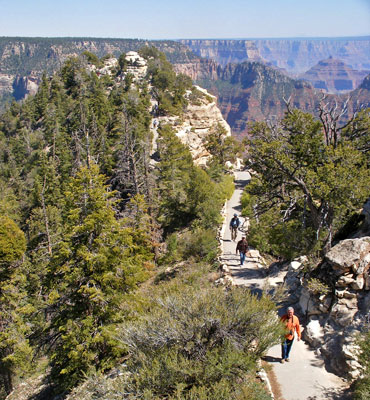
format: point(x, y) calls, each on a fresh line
point(309, 304)
point(325, 303)
point(348, 255)
point(314, 332)
point(342, 314)
point(363, 265)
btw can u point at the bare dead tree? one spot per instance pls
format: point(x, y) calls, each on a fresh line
point(46, 219)
point(330, 115)
point(288, 103)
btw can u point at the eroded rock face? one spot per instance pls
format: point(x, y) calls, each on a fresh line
point(294, 55)
point(197, 122)
point(225, 51)
point(24, 86)
point(6, 82)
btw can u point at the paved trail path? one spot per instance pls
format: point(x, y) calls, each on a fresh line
point(304, 377)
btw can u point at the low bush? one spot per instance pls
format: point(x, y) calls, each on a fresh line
point(196, 344)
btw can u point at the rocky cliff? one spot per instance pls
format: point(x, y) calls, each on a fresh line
point(334, 76)
point(293, 55)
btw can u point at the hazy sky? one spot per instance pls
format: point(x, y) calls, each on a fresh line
point(162, 19)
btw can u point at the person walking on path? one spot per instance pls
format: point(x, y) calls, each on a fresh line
point(242, 247)
point(234, 225)
point(291, 323)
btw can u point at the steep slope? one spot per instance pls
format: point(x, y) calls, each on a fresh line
point(334, 76)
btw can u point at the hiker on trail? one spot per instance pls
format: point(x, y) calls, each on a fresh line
point(291, 323)
point(234, 225)
point(242, 247)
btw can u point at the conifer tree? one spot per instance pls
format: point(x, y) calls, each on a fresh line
point(15, 352)
point(305, 188)
point(98, 262)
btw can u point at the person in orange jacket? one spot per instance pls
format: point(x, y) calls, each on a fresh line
point(291, 323)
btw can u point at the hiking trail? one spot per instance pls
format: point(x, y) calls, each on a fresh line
point(305, 376)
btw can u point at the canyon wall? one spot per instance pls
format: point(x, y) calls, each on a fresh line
point(293, 55)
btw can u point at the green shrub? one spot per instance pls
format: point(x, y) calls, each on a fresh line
point(194, 341)
point(201, 244)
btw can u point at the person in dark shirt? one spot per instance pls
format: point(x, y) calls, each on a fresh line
point(242, 247)
point(234, 225)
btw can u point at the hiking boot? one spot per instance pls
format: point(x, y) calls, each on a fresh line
point(282, 361)
point(287, 359)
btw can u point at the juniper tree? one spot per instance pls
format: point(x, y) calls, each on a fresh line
point(304, 187)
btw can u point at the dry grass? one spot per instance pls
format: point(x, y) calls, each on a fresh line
point(273, 381)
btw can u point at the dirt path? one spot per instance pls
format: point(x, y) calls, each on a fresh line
point(304, 377)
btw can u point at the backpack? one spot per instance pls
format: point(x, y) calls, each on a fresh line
point(234, 222)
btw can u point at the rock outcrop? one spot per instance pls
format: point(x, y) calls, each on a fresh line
point(198, 120)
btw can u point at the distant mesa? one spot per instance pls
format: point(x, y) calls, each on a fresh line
point(334, 76)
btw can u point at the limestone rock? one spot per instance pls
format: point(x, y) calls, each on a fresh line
point(313, 332)
point(196, 123)
point(342, 314)
point(309, 304)
point(295, 265)
point(345, 294)
point(325, 303)
point(348, 255)
point(364, 264)
point(345, 280)
point(359, 283)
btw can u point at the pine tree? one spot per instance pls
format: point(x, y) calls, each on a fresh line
point(15, 352)
point(98, 262)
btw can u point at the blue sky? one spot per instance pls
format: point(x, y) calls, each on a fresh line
point(166, 19)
